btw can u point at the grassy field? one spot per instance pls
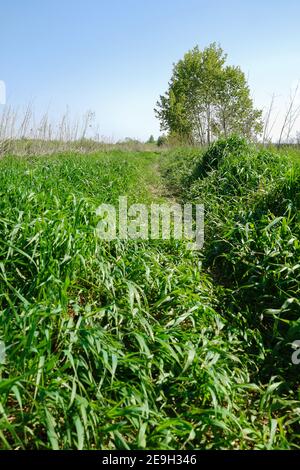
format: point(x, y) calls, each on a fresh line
point(146, 344)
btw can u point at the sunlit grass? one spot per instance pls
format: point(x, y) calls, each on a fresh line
point(134, 344)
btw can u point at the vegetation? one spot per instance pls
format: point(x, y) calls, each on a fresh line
point(145, 344)
point(207, 99)
point(151, 140)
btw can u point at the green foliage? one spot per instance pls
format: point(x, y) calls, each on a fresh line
point(252, 249)
point(151, 140)
point(144, 344)
point(220, 150)
point(162, 140)
point(207, 99)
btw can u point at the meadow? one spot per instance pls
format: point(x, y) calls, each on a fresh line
point(145, 344)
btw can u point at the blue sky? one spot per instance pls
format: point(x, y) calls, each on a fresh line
point(115, 56)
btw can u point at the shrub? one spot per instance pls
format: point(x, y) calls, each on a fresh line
point(220, 150)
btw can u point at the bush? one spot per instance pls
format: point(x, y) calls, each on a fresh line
point(162, 140)
point(221, 149)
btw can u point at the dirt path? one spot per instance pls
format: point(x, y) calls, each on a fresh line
point(157, 187)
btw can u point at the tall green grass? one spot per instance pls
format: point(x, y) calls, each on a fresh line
point(144, 344)
point(252, 199)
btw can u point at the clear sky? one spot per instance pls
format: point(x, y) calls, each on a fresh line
point(115, 56)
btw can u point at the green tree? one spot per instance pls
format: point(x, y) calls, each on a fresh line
point(151, 140)
point(207, 99)
point(162, 140)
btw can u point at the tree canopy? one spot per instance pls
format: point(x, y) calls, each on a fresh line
point(207, 99)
